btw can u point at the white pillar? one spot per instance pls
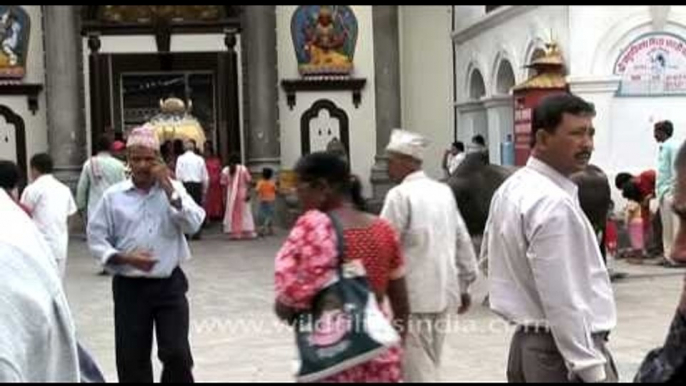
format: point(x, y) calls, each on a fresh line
point(600, 91)
point(500, 124)
point(467, 115)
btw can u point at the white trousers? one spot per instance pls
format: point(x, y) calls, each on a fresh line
point(670, 224)
point(423, 346)
point(61, 268)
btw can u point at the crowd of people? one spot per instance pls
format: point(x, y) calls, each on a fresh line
point(414, 263)
point(652, 229)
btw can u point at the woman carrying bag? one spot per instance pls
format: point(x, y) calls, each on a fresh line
point(667, 364)
point(315, 255)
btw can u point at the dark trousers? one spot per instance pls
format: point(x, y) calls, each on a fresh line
point(140, 304)
point(535, 358)
point(194, 190)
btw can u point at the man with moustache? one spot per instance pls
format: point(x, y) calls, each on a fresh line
point(137, 233)
point(546, 273)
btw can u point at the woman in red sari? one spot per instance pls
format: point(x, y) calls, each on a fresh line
point(214, 202)
point(307, 261)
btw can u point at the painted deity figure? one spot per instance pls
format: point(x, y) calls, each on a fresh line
point(324, 42)
point(10, 30)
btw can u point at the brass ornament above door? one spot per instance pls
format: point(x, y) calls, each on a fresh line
point(148, 13)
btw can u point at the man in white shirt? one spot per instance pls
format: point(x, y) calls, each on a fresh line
point(546, 273)
point(50, 203)
point(192, 172)
point(36, 326)
point(439, 253)
point(137, 233)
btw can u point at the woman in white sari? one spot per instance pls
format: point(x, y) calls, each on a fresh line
point(238, 219)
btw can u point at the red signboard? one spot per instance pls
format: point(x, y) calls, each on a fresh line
point(522, 131)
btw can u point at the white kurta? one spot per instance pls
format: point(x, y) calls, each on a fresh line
point(51, 203)
point(438, 251)
point(440, 263)
point(545, 266)
point(37, 330)
point(98, 174)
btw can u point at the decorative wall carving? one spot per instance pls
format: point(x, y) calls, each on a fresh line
point(150, 13)
point(15, 29)
point(15, 121)
point(292, 86)
point(322, 123)
point(161, 20)
point(324, 39)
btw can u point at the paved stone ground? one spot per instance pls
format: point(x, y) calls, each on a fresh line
point(231, 283)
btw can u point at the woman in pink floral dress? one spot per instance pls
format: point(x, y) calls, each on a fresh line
point(308, 259)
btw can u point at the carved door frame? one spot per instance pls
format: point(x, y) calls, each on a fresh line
point(20, 134)
point(105, 79)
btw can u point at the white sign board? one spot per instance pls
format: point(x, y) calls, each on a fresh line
point(653, 64)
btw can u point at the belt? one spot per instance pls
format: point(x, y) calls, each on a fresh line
point(533, 329)
point(174, 272)
point(604, 335)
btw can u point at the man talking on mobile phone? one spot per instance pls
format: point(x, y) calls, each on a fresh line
point(137, 233)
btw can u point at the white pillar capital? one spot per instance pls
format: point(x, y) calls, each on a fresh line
point(498, 101)
point(468, 106)
point(601, 92)
point(594, 85)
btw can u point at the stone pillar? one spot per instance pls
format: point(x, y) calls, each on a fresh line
point(387, 92)
point(229, 137)
point(258, 41)
point(66, 127)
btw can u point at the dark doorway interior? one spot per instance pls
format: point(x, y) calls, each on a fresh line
point(126, 90)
